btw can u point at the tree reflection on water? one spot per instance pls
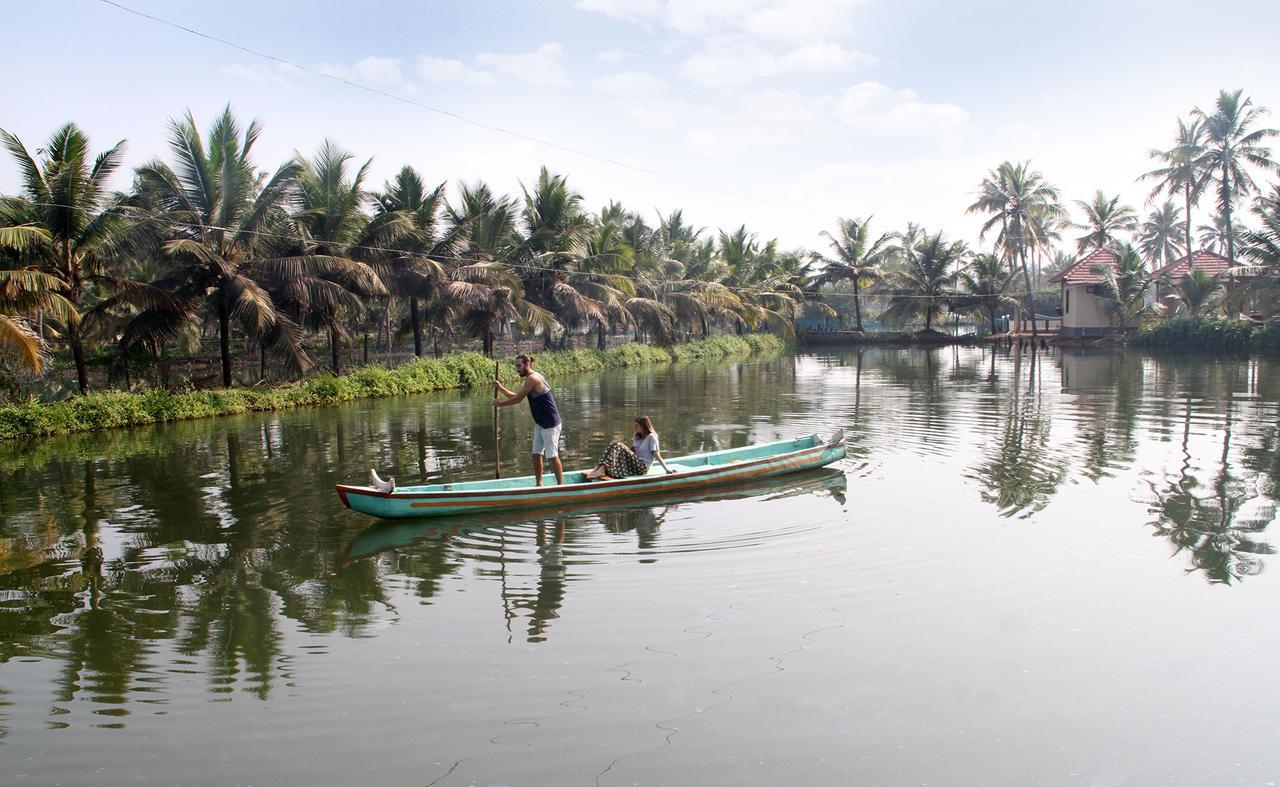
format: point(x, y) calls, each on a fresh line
point(1216, 522)
point(130, 557)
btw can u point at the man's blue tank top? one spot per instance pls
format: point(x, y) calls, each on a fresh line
point(543, 408)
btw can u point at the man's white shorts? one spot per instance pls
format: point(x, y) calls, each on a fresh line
point(547, 441)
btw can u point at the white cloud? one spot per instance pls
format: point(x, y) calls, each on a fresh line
point(540, 68)
point(614, 56)
point(793, 119)
point(823, 58)
point(874, 109)
point(259, 73)
point(383, 72)
point(769, 118)
point(378, 71)
point(734, 62)
point(790, 21)
point(442, 70)
point(630, 10)
point(798, 21)
point(630, 84)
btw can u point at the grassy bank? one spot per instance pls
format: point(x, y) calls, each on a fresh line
point(115, 409)
point(1215, 334)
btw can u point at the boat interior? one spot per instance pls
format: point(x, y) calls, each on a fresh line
point(682, 464)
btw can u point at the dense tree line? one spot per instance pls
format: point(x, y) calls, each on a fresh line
point(205, 243)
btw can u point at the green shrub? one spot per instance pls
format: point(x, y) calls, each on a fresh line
point(114, 409)
point(1205, 333)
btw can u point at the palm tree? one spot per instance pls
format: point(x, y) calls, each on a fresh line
point(1158, 234)
point(334, 230)
point(26, 292)
point(1197, 293)
point(857, 259)
point(986, 282)
point(1262, 249)
point(1219, 234)
point(220, 219)
point(556, 229)
point(679, 239)
point(1125, 287)
point(768, 284)
point(1061, 261)
point(419, 271)
point(81, 226)
point(1024, 206)
point(1232, 147)
point(925, 282)
point(1104, 218)
point(1182, 172)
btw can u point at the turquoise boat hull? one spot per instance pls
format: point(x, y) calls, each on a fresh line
point(693, 472)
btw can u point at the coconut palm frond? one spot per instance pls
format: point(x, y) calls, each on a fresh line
point(17, 339)
point(534, 319)
point(25, 238)
point(250, 304)
point(494, 274)
point(573, 305)
point(654, 317)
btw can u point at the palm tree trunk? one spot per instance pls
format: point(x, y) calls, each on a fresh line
point(1226, 214)
point(857, 304)
point(77, 352)
point(334, 362)
point(488, 344)
point(928, 317)
point(991, 313)
point(386, 319)
point(224, 339)
point(416, 319)
point(1031, 304)
point(1186, 191)
point(600, 337)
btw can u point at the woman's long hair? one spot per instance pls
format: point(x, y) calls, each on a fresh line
point(646, 426)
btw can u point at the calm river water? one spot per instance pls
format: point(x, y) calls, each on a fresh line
point(1048, 569)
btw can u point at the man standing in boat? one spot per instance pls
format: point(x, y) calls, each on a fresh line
point(546, 417)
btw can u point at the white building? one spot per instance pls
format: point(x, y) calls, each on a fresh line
point(1084, 311)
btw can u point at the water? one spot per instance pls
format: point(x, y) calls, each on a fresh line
point(1030, 569)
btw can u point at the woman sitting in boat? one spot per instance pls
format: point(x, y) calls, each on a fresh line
point(618, 461)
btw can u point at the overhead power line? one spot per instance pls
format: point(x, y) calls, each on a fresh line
point(456, 116)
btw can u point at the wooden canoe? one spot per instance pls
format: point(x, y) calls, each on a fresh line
point(386, 535)
point(693, 472)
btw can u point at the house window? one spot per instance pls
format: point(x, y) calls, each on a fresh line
point(1066, 306)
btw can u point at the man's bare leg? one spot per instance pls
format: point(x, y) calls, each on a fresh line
point(559, 468)
point(537, 469)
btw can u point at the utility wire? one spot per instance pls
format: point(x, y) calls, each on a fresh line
point(459, 117)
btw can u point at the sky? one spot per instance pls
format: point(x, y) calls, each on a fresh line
point(783, 116)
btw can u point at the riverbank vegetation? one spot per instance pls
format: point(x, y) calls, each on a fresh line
point(1217, 334)
point(258, 274)
point(114, 409)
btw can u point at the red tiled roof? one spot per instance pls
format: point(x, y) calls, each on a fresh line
point(1082, 271)
point(1205, 260)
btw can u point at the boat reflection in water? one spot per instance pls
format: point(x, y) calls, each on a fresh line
point(644, 517)
point(534, 568)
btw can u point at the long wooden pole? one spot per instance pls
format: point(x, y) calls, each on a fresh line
point(497, 436)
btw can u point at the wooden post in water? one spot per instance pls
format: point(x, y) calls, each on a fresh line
point(497, 437)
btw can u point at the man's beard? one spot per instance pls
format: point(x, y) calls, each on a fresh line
point(522, 372)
